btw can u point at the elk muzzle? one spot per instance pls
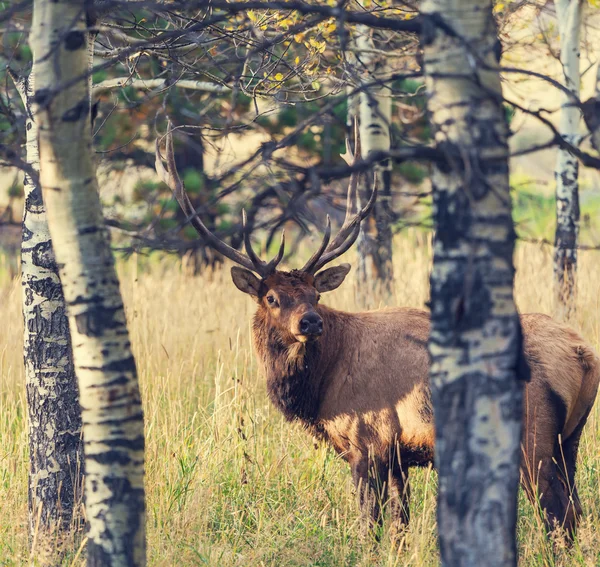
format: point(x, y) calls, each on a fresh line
point(310, 327)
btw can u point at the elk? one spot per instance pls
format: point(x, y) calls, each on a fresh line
point(360, 380)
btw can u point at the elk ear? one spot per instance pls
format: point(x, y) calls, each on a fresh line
point(245, 281)
point(331, 278)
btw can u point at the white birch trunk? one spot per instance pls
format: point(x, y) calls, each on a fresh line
point(54, 417)
point(475, 342)
point(363, 294)
point(567, 165)
point(109, 392)
point(375, 112)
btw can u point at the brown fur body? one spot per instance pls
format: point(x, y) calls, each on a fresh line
point(360, 381)
point(363, 387)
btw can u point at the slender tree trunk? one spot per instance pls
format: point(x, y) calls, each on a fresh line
point(375, 112)
point(364, 292)
point(475, 342)
point(109, 392)
point(567, 165)
point(55, 445)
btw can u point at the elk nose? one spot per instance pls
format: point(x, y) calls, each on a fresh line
point(311, 324)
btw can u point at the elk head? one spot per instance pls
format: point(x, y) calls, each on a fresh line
point(287, 300)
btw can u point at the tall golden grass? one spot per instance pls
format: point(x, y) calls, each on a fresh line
point(229, 482)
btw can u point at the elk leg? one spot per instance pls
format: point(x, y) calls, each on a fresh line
point(370, 478)
point(566, 457)
point(543, 482)
point(400, 496)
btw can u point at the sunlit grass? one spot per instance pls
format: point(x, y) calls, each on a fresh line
point(229, 482)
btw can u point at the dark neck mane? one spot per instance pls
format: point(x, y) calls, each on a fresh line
point(294, 372)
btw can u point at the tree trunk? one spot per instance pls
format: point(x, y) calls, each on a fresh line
point(567, 165)
point(475, 342)
point(109, 392)
point(375, 112)
point(55, 445)
point(364, 293)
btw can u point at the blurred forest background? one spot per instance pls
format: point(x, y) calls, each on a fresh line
point(263, 101)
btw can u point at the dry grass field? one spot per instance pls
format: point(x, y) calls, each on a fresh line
point(229, 482)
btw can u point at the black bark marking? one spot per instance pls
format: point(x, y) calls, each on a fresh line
point(110, 457)
point(98, 319)
point(135, 417)
point(123, 365)
point(90, 230)
point(77, 112)
point(43, 256)
point(47, 287)
point(74, 40)
point(42, 97)
point(136, 444)
point(26, 234)
point(33, 202)
point(119, 381)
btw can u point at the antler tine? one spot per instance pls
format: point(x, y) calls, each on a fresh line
point(248, 245)
point(348, 233)
point(171, 177)
point(275, 261)
point(266, 268)
point(309, 267)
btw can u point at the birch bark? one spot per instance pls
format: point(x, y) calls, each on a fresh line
point(109, 392)
point(475, 342)
point(54, 417)
point(375, 113)
point(567, 166)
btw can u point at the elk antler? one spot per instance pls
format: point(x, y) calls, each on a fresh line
point(348, 233)
point(171, 177)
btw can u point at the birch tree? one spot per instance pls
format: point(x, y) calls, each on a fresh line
point(567, 165)
point(54, 418)
point(375, 112)
point(109, 392)
point(475, 340)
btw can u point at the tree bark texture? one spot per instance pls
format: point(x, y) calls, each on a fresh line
point(567, 165)
point(475, 342)
point(54, 417)
point(109, 391)
point(363, 294)
point(375, 113)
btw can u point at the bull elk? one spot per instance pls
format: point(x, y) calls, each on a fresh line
point(360, 380)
